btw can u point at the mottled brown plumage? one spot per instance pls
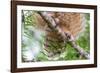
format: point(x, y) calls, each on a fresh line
point(69, 22)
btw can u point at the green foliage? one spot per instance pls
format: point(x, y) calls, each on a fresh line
point(42, 57)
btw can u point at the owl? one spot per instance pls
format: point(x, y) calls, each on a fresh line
point(70, 23)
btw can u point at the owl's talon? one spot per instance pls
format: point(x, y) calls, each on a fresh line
point(69, 37)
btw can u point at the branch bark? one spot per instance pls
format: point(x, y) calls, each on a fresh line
point(80, 50)
point(53, 25)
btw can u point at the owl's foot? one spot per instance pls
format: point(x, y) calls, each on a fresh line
point(69, 36)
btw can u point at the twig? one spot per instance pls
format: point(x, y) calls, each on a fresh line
point(52, 24)
point(80, 50)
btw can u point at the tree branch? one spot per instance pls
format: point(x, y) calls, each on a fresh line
point(53, 25)
point(80, 50)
